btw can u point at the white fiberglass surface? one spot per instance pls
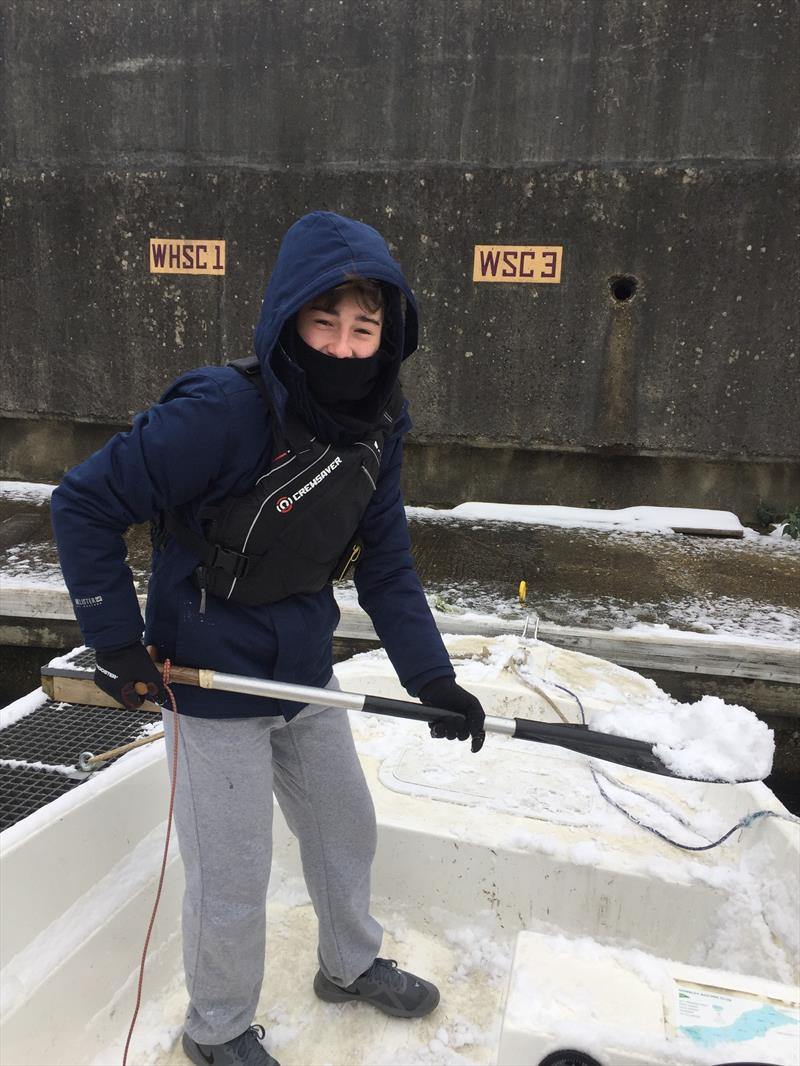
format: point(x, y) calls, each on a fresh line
point(473, 849)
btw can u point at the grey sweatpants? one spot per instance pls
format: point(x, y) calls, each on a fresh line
point(227, 771)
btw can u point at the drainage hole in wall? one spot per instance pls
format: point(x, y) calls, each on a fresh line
point(623, 287)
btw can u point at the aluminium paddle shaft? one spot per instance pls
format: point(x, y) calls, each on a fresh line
point(624, 751)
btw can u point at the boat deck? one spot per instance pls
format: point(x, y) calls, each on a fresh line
point(485, 865)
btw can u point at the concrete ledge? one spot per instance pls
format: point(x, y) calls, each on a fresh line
point(682, 652)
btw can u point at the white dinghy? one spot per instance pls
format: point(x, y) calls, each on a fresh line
point(538, 887)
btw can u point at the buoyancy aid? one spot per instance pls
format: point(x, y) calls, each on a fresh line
point(296, 530)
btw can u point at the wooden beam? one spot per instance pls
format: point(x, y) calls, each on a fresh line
point(69, 685)
point(692, 653)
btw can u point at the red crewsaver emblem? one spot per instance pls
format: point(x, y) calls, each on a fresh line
point(284, 505)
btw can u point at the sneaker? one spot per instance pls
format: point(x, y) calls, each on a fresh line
point(244, 1050)
point(394, 991)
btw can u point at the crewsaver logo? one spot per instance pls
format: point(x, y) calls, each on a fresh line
point(286, 503)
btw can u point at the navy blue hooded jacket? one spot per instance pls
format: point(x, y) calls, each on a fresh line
point(208, 437)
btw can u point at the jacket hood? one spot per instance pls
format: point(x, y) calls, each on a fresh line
point(317, 253)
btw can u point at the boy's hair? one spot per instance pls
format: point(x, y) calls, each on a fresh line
point(368, 293)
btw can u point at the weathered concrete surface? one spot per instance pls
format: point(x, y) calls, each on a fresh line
point(702, 361)
point(444, 475)
point(308, 85)
point(653, 141)
point(440, 474)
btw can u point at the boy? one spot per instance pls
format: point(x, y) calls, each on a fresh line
point(241, 583)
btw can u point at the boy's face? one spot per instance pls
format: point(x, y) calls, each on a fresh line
point(348, 332)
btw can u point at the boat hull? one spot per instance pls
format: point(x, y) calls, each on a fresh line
point(488, 868)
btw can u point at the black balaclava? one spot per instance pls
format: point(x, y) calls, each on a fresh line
point(340, 400)
point(333, 382)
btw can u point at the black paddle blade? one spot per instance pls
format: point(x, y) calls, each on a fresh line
point(621, 750)
point(624, 751)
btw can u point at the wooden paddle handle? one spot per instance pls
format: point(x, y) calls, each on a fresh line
point(182, 675)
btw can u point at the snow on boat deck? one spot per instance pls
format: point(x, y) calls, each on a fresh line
point(486, 866)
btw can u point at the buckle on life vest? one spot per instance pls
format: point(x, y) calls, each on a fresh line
point(351, 556)
point(233, 563)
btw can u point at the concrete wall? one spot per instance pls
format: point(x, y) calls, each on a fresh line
point(655, 141)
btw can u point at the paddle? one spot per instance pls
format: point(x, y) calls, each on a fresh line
point(624, 751)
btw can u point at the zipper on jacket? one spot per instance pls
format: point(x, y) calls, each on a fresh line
point(374, 486)
point(202, 581)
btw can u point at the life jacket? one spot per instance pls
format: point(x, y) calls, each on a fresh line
point(296, 530)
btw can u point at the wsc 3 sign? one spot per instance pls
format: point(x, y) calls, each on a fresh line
point(531, 263)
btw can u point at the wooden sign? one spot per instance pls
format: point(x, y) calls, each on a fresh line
point(168, 256)
point(534, 264)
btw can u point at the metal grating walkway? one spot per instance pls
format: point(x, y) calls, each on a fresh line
point(55, 734)
point(24, 790)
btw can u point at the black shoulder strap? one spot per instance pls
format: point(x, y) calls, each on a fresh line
point(394, 407)
point(210, 555)
point(250, 369)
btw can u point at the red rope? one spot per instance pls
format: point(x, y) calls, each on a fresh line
point(176, 735)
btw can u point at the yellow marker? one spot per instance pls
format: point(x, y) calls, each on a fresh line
point(523, 589)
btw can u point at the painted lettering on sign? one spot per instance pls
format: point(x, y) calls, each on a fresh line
point(168, 256)
point(537, 264)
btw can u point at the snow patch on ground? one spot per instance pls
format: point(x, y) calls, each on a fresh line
point(717, 617)
point(53, 768)
point(31, 565)
point(22, 707)
point(69, 658)
point(26, 491)
point(626, 519)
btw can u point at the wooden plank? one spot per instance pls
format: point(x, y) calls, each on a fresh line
point(38, 601)
point(76, 686)
point(682, 652)
point(676, 651)
point(77, 690)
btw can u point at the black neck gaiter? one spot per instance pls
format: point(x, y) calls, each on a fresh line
point(341, 400)
point(332, 381)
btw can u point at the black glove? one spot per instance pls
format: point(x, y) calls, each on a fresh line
point(118, 670)
point(445, 693)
